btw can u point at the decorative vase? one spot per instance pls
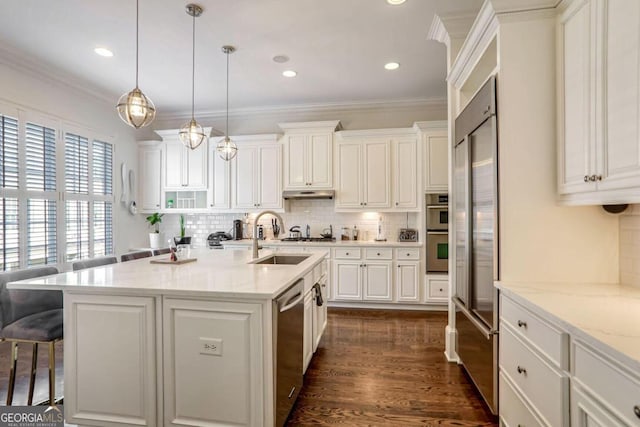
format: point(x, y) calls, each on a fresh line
point(182, 240)
point(155, 240)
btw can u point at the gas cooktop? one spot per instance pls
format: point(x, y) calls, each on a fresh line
point(308, 239)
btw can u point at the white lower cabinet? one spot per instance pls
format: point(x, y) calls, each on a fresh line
point(377, 281)
point(213, 367)
point(437, 289)
point(586, 412)
point(407, 281)
point(307, 342)
point(117, 390)
point(513, 409)
point(347, 279)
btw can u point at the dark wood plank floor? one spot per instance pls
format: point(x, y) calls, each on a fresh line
point(386, 368)
point(41, 390)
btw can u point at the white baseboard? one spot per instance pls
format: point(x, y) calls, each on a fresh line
point(386, 306)
point(450, 339)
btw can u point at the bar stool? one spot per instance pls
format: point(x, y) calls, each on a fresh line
point(135, 255)
point(93, 262)
point(30, 316)
point(161, 251)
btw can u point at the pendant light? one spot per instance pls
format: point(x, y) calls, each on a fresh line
point(134, 108)
point(191, 133)
point(226, 148)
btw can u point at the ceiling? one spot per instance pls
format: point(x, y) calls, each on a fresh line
point(337, 47)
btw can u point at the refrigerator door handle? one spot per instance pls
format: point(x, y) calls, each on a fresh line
point(487, 332)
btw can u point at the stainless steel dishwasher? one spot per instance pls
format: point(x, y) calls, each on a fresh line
point(288, 325)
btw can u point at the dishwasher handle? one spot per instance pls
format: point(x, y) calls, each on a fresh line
point(290, 304)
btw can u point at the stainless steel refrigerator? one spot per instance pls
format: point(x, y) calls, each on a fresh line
point(476, 240)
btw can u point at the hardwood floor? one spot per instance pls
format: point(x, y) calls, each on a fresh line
point(386, 368)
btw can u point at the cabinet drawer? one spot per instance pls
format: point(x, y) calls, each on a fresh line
point(544, 386)
point(547, 339)
point(617, 387)
point(437, 288)
point(379, 253)
point(513, 411)
point(347, 253)
point(412, 254)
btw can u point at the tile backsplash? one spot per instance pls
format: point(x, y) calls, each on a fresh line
point(630, 246)
point(319, 214)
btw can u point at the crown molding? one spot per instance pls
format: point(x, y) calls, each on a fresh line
point(172, 134)
point(446, 27)
point(303, 127)
point(349, 134)
point(430, 125)
point(44, 71)
point(261, 138)
point(293, 110)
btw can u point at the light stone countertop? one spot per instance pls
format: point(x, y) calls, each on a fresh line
point(607, 316)
point(216, 273)
point(336, 244)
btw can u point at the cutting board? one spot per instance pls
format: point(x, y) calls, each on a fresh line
point(168, 261)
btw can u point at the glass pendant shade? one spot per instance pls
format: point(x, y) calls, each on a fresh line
point(135, 109)
point(226, 149)
point(191, 134)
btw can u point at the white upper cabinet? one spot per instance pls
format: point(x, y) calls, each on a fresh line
point(377, 169)
point(219, 180)
point(599, 102)
point(150, 192)
point(184, 169)
point(256, 173)
point(435, 145)
point(308, 154)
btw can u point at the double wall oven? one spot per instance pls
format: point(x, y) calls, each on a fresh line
point(437, 217)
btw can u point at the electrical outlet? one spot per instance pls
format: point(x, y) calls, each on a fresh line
point(211, 346)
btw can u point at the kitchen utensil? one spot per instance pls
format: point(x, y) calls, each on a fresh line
point(327, 233)
point(276, 227)
point(133, 208)
point(307, 233)
point(123, 175)
point(237, 229)
point(260, 232)
point(294, 232)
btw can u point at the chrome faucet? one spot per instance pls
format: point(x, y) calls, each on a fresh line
point(254, 243)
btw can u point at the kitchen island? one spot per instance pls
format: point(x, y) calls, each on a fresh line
point(191, 344)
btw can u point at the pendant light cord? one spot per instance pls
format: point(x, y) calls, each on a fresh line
point(227, 125)
point(137, 32)
point(193, 68)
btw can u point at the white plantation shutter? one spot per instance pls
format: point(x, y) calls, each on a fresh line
point(102, 228)
point(77, 229)
point(10, 234)
point(76, 164)
point(40, 157)
point(8, 152)
point(102, 168)
point(41, 232)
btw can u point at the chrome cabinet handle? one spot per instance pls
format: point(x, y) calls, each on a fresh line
point(522, 324)
point(586, 178)
point(636, 410)
point(522, 370)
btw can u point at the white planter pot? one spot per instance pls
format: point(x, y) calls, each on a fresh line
point(155, 240)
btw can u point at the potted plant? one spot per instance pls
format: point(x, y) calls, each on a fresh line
point(182, 239)
point(155, 237)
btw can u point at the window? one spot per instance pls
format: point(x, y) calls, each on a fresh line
point(56, 192)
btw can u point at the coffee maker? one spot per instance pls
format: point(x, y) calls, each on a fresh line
point(237, 229)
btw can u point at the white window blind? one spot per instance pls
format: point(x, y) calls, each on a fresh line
point(102, 228)
point(10, 234)
point(102, 168)
point(40, 157)
point(8, 152)
point(41, 232)
point(76, 164)
point(77, 229)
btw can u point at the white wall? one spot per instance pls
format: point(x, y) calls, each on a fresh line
point(55, 98)
point(630, 246)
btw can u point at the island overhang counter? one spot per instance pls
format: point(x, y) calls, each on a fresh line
point(161, 344)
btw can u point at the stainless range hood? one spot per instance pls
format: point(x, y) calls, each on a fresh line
point(308, 194)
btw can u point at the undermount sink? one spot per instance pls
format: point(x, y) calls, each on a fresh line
point(282, 259)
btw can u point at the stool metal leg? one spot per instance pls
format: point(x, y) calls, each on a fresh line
point(52, 373)
point(32, 378)
point(12, 373)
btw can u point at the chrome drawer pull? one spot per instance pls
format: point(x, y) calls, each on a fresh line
point(636, 410)
point(522, 324)
point(522, 371)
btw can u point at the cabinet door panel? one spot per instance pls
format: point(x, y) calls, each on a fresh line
point(197, 167)
point(347, 279)
point(437, 165)
point(244, 171)
point(296, 161)
point(576, 151)
point(406, 174)
point(377, 175)
point(319, 161)
point(349, 176)
point(377, 282)
point(269, 183)
point(585, 412)
point(308, 338)
point(621, 150)
point(219, 186)
point(173, 165)
point(407, 282)
point(150, 178)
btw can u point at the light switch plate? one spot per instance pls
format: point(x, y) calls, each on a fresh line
point(211, 346)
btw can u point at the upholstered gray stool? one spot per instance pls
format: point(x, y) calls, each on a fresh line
point(135, 255)
point(93, 262)
point(30, 316)
point(161, 251)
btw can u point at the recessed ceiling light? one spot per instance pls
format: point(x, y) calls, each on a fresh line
point(289, 73)
point(391, 66)
point(103, 51)
point(280, 59)
point(395, 2)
